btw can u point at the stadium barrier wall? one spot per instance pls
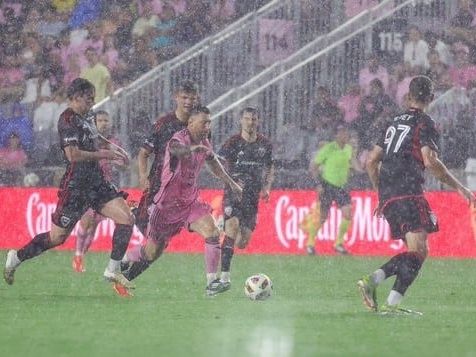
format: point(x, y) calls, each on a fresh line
point(27, 211)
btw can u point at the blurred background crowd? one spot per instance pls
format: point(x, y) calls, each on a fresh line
point(47, 43)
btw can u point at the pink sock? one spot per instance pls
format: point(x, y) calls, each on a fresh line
point(212, 255)
point(81, 237)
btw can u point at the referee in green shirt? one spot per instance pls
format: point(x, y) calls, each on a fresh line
point(331, 167)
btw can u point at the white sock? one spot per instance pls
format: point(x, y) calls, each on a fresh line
point(225, 276)
point(114, 265)
point(394, 298)
point(211, 277)
point(12, 261)
point(78, 254)
point(378, 276)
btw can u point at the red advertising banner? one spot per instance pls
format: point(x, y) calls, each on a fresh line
point(27, 212)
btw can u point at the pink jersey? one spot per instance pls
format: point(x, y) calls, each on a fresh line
point(179, 189)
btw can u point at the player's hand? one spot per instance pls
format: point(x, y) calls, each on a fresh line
point(144, 183)
point(199, 148)
point(265, 195)
point(467, 194)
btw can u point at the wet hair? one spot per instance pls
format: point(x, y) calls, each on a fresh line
point(79, 86)
point(421, 89)
point(199, 109)
point(187, 87)
point(101, 112)
point(252, 110)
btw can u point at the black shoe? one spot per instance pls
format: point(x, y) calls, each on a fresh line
point(310, 250)
point(339, 249)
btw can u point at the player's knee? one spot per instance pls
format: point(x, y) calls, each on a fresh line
point(59, 239)
point(241, 244)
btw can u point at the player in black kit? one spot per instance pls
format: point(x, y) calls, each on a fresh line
point(408, 146)
point(82, 186)
point(249, 161)
point(186, 97)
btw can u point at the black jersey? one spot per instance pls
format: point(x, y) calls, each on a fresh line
point(74, 129)
point(164, 128)
point(246, 161)
point(401, 172)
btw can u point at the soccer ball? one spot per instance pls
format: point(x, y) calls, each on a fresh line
point(258, 287)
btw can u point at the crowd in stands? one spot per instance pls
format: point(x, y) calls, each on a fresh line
point(48, 43)
point(45, 44)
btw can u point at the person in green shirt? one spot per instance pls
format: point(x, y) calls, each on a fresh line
point(331, 168)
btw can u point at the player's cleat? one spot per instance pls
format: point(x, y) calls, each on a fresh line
point(78, 265)
point(9, 270)
point(395, 310)
point(310, 250)
point(121, 290)
point(339, 249)
point(216, 287)
point(368, 290)
point(226, 285)
point(116, 277)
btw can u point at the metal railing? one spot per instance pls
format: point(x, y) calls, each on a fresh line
point(218, 63)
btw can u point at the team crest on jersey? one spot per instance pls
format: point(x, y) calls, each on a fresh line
point(65, 221)
point(261, 151)
point(228, 210)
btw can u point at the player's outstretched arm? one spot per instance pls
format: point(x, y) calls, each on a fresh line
point(372, 165)
point(217, 169)
point(74, 154)
point(441, 172)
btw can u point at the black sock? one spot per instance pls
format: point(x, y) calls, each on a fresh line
point(36, 246)
point(391, 267)
point(136, 269)
point(120, 240)
point(410, 264)
point(227, 250)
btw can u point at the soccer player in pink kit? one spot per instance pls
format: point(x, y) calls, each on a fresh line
point(177, 205)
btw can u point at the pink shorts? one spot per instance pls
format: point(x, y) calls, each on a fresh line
point(164, 223)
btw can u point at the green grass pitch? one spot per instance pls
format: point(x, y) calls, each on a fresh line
point(315, 310)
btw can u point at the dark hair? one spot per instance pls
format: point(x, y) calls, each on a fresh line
point(252, 110)
point(421, 89)
point(199, 109)
point(79, 86)
point(187, 87)
point(101, 112)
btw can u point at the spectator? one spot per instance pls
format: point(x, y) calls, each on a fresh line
point(110, 56)
point(162, 36)
point(289, 153)
point(85, 12)
point(415, 51)
point(374, 108)
point(98, 74)
point(462, 26)
point(350, 102)
point(438, 73)
point(373, 71)
point(146, 21)
point(12, 86)
point(12, 162)
point(51, 23)
point(325, 116)
point(462, 72)
point(194, 24)
point(435, 44)
point(37, 85)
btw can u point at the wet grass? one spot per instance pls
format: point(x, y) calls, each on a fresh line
point(315, 311)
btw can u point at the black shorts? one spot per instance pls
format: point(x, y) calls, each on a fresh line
point(412, 214)
point(330, 193)
point(245, 210)
point(75, 201)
